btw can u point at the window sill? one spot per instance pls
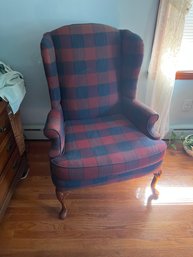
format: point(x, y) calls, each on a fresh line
point(184, 75)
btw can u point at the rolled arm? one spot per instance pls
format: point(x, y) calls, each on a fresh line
point(54, 130)
point(142, 117)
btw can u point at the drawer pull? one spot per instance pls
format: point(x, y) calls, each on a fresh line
point(3, 129)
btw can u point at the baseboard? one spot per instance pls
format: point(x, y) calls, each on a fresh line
point(34, 132)
point(179, 131)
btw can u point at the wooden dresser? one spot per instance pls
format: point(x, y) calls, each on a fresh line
point(13, 161)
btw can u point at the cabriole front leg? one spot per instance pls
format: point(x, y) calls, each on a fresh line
point(155, 179)
point(60, 196)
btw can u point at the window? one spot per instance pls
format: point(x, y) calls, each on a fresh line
point(185, 66)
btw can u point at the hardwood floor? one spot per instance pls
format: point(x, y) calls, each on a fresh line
point(106, 221)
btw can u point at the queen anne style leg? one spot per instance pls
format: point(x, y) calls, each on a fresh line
point(155, 192)
point(60, 196)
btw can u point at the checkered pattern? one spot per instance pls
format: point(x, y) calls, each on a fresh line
point(54, 130)
point(99, 150)
point(141, 116)
point(87, 61)
point(132, 56)
point(50, 67)
point(99, 132)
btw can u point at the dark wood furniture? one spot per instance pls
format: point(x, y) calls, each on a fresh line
point(13, 161)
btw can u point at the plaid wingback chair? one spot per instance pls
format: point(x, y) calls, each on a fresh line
point(99, 133)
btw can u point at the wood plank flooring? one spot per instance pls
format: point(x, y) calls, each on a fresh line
point(106, 221)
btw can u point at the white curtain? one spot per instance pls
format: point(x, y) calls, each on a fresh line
point(163, 63)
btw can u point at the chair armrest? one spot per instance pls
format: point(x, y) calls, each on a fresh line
point(141, 116)
point(54, 130)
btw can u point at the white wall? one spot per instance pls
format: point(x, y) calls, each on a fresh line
point(23, 22)
point(180, 118)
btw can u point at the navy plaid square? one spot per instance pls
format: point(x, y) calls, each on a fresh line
point(100, 39)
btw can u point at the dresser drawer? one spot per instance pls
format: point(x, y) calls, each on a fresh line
point(8, 175)
point(13, 159)
point(6, 148)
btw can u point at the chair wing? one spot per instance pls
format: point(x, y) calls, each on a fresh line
point(99, 132)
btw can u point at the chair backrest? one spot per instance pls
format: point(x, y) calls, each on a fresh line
point(84, 68)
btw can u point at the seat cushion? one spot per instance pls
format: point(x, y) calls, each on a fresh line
point(103, 150)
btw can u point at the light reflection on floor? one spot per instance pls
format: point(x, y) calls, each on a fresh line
point(171, 196)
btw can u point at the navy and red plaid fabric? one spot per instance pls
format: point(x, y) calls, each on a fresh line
point(55, 131)
point(132, 56)
point(88, 62)
point(101, 149)
point(92, 73)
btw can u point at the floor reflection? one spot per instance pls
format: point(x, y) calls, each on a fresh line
point(169, 196)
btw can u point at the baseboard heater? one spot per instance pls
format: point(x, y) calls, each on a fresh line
point(180, 132)
point(34, 132)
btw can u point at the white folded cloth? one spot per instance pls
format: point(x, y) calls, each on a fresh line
point(12, 87)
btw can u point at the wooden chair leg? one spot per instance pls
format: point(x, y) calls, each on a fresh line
point(155, 179)
point(60, 196)
point(155, 192)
